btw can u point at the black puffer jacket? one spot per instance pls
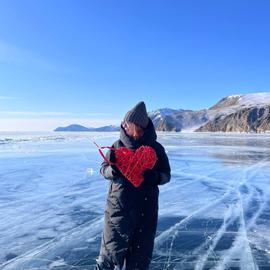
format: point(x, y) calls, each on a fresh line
point(131, 213)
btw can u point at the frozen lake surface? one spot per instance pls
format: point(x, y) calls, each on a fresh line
point(214, 214)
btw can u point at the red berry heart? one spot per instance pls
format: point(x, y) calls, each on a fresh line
point(132, 164)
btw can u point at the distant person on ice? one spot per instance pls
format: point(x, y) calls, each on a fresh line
point(131, 212)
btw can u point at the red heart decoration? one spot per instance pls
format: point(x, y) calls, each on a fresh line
point(132, 164)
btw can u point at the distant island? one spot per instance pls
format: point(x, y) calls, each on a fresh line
point(235, 113)
point(75, 127)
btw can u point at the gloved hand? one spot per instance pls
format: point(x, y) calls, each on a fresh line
point(151, 177)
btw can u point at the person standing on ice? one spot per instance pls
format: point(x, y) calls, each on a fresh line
point(131, 212)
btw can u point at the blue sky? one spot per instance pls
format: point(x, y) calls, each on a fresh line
point(88, 62)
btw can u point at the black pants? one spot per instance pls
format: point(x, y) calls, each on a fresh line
point(130, 248)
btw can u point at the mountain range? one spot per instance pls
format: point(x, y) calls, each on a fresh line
point(235, 113)
point(75, 127)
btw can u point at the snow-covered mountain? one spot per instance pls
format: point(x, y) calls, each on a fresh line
point(177, 120)
point(234, 103)
point(248, 119)
point(164, 117)
point(235, 113)
point(240, 113)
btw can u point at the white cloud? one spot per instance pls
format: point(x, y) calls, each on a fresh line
point(49, 124)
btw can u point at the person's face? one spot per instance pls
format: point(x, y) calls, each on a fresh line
point(129, 127)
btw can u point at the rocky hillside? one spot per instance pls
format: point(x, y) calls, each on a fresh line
point(239, 113)
point(178, 120)
point(245, 120)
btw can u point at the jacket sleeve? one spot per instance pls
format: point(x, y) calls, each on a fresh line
point(106, 170)
point(163, 167)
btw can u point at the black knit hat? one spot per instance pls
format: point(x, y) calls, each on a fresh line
point(138, 115)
